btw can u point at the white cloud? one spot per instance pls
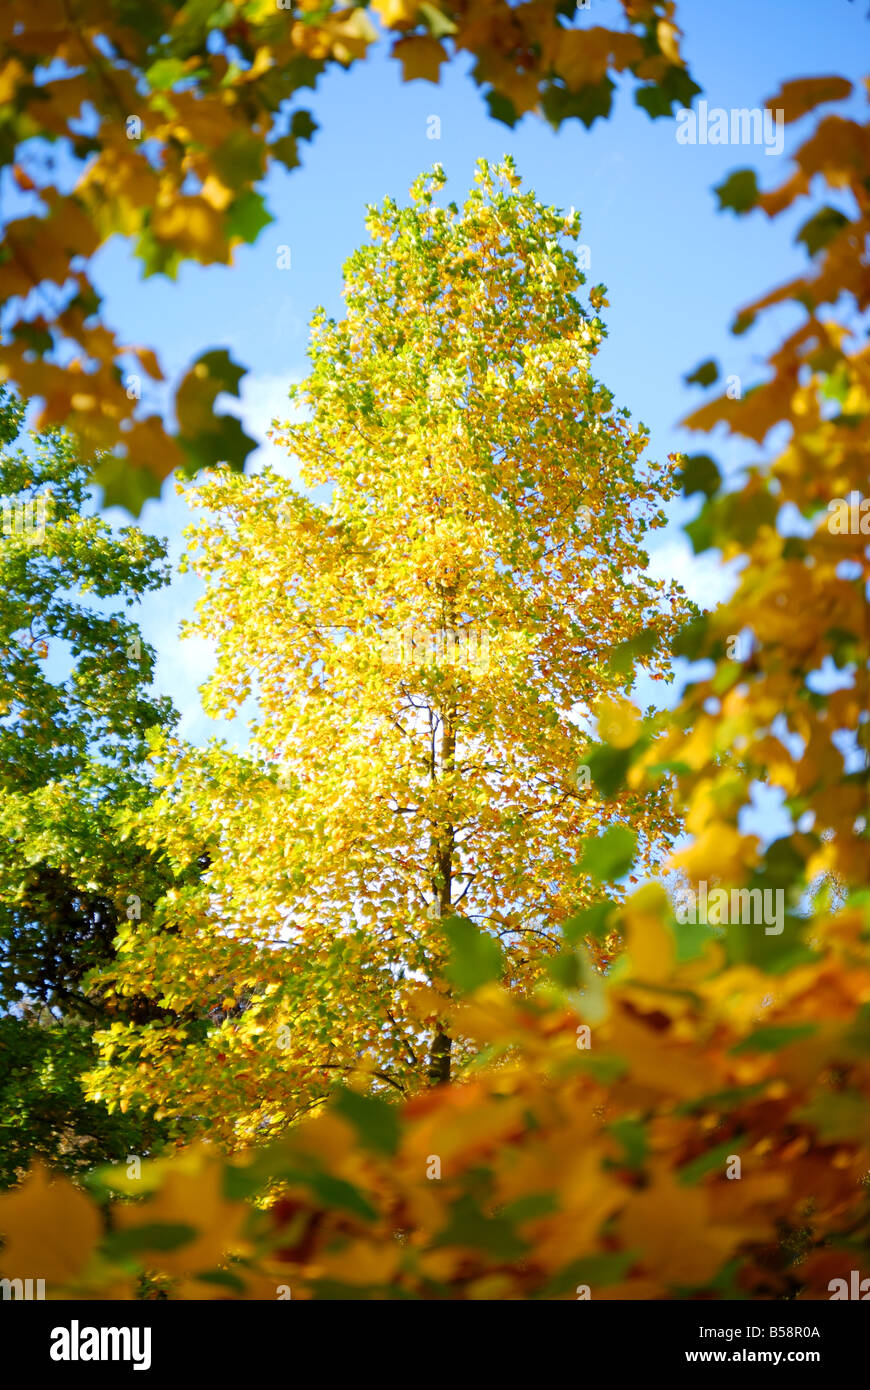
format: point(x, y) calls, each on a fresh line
point(264, 401)
point(704, 577)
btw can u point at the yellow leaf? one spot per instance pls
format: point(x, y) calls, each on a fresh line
point(618, 722)
point(420, 57)
point(194, 226)
point(361, 1262)
point(50, 1229)
point(795, 99)
point(668, 1224)
point(650, 945)
point(667, 37)
point(396, 14)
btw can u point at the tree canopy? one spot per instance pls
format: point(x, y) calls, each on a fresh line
point(74, 740)
point(428, 651)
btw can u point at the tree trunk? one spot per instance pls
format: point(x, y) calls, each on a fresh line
point(442, 1043)
point(439, 1058)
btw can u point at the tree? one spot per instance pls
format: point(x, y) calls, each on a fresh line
point(428, 652)
point(610, 1168)
point(43, 1111)
point(170, 115)
point(76, 720)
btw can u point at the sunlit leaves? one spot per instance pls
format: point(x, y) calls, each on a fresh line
point(417, 651)
point(187, 110)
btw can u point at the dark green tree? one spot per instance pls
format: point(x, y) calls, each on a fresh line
point(75, 716)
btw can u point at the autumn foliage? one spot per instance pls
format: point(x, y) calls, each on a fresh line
point(586, 1148)
point(429, 652)
point(170, 115)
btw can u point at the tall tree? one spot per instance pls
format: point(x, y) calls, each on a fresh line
point(76, 720)
point(428, 652)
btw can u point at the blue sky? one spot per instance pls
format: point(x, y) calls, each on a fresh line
point(676, 269)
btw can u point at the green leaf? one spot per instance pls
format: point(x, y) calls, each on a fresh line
point(783, 865)
point(703, 375)
point(375, 1120)
point(208, 438)
point(303, 125)
point(626, 655)
point(608, 767)
point(730, 1099)
point(157, 257)
point(530, 1208)
point(156, 1235)
point(247, 215)
point(689, 641)
point(597, 1271)
point(699, 474)
point(857, 1037)
point(226, 442)
point(286, 151)
point(595, 921)
point(701, 532)
point(772, 1037)
point(632, 1135)
point(469, 1226)
point(36, 338)
point(840, 1116)
point(743, 321)
point(239, 161)
point(611, 855)
point(707, 1162)
point(501, 108)
point(691, 939)
point(725, 677)
point(836, 385)
point(747, 943)
point(820, 229)
point(334, 1192)
point(239, 1183)
point(675, 86)
point(164, 74)
point(564, 970)
point(739, 191)
point(587, 103)
point(124, 486)
point(209, 375)
point(475, 956)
